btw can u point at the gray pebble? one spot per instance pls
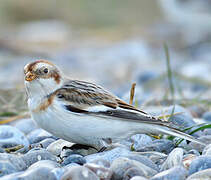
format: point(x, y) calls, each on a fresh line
point(131, 172)
point(38, 135)
point(74, 158)
point(138, 178)
point(200, 163)
point(145, 160)
point(13, 176)
point(15, 160)
point(104, 173)
point(121, 165)
point(207, 150)
point(108, 155)
point(160, 145)
point(140, 140)
point(175, 173)
point(11, 136)
point(201, 175)
point(57, 146)
point(174, 159)
point(33, 156)
point(46, 142)
point(193, 151)
point(207, 116)
point(6, 167)
point(199, 147)
point(40, 170)
point(102, 162)
point(25, 125)
point(79, 173)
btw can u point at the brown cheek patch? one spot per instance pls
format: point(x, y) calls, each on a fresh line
point(44, 105)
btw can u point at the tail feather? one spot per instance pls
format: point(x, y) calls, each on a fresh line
point(180, 134)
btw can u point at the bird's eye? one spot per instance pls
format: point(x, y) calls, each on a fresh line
point(45, 70)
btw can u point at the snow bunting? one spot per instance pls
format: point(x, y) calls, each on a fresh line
point(83, 112)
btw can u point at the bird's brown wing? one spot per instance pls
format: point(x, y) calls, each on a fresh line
point(83, 97)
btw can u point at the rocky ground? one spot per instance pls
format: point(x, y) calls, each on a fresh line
point(114, 59)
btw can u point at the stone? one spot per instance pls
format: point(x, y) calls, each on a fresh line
point(131, 172)
point(188, 160)
point(199, 147)
point(25, 125)
point(140, 140)
point(79, 173)
point(121, 165)
point(175, 173)
point(138, 178)
point(207, 116)
point(207, 150)
point(56, 147)
point(11, 136)
point(6, 167)
point(74, 158)
point(38, 135)
point(158, 145)
point(15, 160)
point(201, 175)
point(143, 159)
point(104, 173)
point(33, 156)
point(174, 159)
point(108, 155)
point(46, 142)
point(200, 163)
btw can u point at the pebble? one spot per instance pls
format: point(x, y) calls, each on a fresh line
point(183, 119)
point(56, 147)
point(46, 142)
point(158, 145)
point(131, 172)
point(138, 178)
point(188, 160)
point(6, 167)
point(207, 150)
point(175, 173)
point(15, 160)
point(104, 173)
point(121, 165)
point(74, 158)
point(201, 175)
point(145, 160)
point(34, 155)
point(38, 135)
point(26, 125)
point(79, 173)
point(108, 155)
point(140, 140)
point(200, 163)
point(11, 136)
point(174, 159)
point(39, 170)
point(207, 116)
point(199, 147)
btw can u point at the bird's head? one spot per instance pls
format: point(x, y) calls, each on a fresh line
point(42, 78)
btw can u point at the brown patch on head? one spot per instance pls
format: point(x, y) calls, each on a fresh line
point(32, 68)
point(56, 77)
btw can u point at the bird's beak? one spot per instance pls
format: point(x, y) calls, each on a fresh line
point(30, 77)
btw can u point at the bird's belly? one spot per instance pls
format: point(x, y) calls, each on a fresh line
point(82, 128)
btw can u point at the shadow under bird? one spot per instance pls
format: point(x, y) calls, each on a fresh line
point(83, 112)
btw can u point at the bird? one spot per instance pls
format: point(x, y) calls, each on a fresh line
point(85, 113)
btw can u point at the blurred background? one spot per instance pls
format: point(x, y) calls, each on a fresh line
point(112, 43)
